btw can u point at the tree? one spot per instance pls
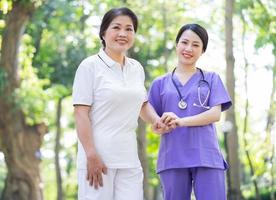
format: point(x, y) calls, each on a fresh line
point(20, 142)
point(231, 137)
point(245, 123)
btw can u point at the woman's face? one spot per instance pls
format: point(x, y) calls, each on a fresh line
point(189, 48)
point(119, 36)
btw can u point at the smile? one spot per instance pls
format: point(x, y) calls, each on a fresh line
point(187, 55)
point(121, 41)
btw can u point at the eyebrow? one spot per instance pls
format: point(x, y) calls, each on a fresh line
point(184, 39)
point(114, 23)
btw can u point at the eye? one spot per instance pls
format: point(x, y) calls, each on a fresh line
point(129, 29)
point(196, 45)
point(116, 27)
point(184, 42)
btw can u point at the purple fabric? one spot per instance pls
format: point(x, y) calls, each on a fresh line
point(208, 183)
point(189, 146)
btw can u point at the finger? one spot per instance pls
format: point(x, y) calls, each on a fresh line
point(104, 170)
point(177, 121)
point(95, 181)
point(155, 126)
point(100, 179)
point(164, 116)
point(172, 123)
point(87, 175)
point(167, 129)
point(165, 119)
point(168, 120)
point(91, 181)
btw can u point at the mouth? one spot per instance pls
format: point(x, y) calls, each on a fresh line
point(122, 41)
point(187, 55)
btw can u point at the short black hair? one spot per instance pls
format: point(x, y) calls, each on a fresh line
point(112, 14)
point(199, 30)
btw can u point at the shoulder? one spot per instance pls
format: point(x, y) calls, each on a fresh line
point(161, 79)
point(134, 63)
point(210, 75)
point(88, 62)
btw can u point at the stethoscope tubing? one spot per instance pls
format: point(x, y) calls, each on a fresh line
point(202, 104)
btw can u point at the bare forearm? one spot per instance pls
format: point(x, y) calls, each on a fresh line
point(148, 113)
point(205, 118)
point(84, 131)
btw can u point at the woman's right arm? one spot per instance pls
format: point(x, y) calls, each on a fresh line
point(95, 166)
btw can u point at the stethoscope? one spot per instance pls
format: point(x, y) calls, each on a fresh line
point(182, 104)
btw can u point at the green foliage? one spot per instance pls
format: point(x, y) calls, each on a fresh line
point(30, 96)
point(152, 152)
point(5, 6)
point(263, 18)
point(58, 55)
point(264, 194)
point(63, 32)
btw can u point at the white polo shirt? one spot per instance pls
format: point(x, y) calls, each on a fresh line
point(116, 97)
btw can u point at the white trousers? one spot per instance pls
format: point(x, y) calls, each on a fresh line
point(118, 184)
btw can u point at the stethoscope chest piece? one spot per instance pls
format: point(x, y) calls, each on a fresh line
point(182, 104)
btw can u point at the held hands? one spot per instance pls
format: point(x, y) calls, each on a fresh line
point(171, 120)
point(95, 168)
point(160, 128)
point(166, 123)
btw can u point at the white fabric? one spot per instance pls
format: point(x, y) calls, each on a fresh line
point(118, 184)
point(116, 97)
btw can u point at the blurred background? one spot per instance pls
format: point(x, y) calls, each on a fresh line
point(42, 44)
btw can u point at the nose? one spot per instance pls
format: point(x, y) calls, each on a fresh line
point(189, 48)
point(122, 33)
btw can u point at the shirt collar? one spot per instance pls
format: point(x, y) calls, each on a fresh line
point(109, 61)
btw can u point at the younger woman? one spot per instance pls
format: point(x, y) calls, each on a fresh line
point(191, 100)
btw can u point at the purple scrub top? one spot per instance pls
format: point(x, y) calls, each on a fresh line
point(195, 146)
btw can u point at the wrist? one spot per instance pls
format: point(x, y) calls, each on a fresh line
point(155, 119)
point(91, 153)
point(181, 121)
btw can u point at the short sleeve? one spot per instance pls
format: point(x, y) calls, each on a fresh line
point(83, 85)
point(154, 97)
point(142, 76)
point(219, 95)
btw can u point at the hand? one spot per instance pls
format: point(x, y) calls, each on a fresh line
point(159, 127)
point(95, 168)
point(170, 119)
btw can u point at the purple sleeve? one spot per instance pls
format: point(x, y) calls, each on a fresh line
point(219, 95)
point(154, 97)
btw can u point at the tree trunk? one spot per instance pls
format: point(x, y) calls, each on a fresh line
point(57, 149)
point(20, 143)
point(245, 124)
point(269, 124)
point(142, 143)
point(231, 137)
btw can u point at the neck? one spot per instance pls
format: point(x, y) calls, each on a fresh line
point(185, 69)
point(118, 57)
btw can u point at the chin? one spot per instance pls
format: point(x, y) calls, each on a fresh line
point(123, 48)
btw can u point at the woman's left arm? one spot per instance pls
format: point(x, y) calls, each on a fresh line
point(148, 113)
point(204, 118)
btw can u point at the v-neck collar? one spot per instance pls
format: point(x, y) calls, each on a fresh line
point(180, 84)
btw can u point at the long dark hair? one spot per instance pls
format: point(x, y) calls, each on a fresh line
point(113, 13)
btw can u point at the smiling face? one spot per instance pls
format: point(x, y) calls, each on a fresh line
point(189, 48)
point(119, 36)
